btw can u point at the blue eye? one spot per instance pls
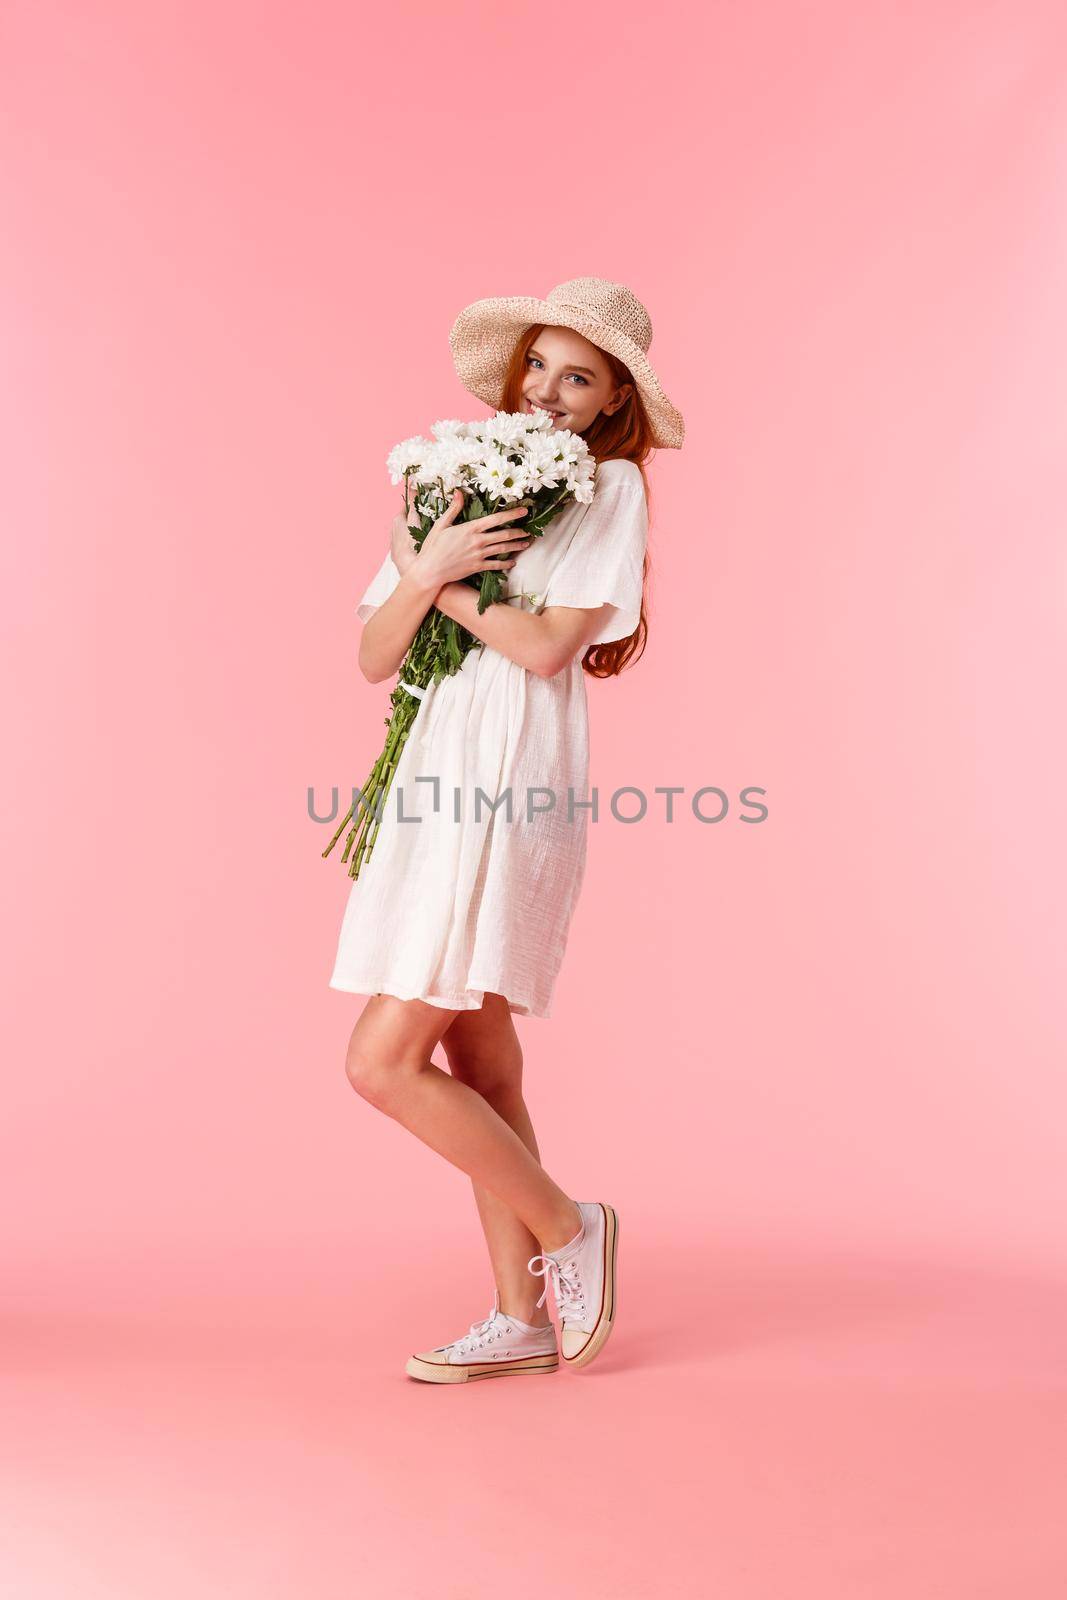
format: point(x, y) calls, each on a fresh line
point(577, 375)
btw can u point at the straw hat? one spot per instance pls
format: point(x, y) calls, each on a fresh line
point(608, 314)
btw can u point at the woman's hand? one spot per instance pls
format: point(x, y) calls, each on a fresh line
point(401, 544)
point(453, 550)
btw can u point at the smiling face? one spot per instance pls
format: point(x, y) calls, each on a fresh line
point(570, 377)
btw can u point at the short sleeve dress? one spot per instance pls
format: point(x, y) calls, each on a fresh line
point(480, 853)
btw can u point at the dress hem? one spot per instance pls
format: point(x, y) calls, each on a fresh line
point(446, 1002)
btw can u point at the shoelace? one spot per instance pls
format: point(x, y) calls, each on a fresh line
point(567, 1281)
point(478, 1332)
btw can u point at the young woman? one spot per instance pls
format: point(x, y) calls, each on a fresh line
point(460, 917)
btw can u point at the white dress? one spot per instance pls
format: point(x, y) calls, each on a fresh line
point(447, 910)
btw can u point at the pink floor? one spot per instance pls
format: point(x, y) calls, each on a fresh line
point(761, 1427)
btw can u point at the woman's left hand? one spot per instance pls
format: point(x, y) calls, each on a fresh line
point(402, 546)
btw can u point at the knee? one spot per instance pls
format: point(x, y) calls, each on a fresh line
point(498, 1077)
point(379, 1082)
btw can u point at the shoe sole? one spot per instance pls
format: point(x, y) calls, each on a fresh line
point(456, 1372)
point(599, 1336)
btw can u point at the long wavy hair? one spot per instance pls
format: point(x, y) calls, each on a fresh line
point(627, 433)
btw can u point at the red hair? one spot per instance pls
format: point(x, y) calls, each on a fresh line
point(626, 434)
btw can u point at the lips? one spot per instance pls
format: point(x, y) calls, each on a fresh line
point(545, 408)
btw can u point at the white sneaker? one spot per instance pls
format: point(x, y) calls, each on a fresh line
point(583, 1273)
point(497, 1347)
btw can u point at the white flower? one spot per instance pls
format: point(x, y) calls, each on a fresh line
point(508, 457)
point(407, 454)
point(450, 429)
point(540, 448)
point(541, 456)
point(456, 458)
point(583, 482)
point(521, 480)
point(429, 468)
point(539, 421)
point(497, 476)
point(507, 428)
point(569, 447)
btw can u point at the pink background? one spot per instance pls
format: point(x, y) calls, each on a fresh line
point(817, 1065)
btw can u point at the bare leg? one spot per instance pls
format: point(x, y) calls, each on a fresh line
point(484, 1052)
point(389, 1065)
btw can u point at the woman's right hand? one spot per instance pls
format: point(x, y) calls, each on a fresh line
point(453, 550)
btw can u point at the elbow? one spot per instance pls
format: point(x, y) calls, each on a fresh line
point(548, 666)
point(369, 659)
point(369, 672)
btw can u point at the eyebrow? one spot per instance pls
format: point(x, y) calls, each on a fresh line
point(570, 366)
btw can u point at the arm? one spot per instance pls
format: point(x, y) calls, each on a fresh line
point(608, 559)
point(544, 643)
point(449, 551)
point(387, 635)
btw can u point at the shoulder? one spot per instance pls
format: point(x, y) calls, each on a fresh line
point(620, 469)
point(621, 473)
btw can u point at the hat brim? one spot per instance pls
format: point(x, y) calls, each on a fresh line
point(483, 338)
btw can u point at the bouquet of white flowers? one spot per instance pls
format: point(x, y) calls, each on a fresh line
point(514, 458)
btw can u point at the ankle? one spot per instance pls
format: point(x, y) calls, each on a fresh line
point(569, 1227)
point(520, 1300)
point(526, 1310)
